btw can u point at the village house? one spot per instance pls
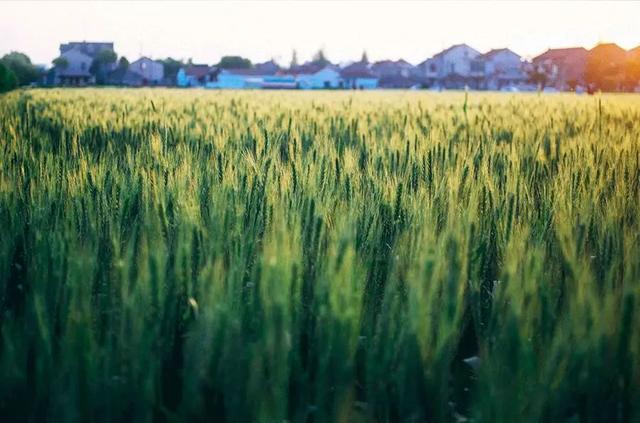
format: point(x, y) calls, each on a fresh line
point(358, 76)
point(316, 76)
point(386, 68)
point(502, 69)
point(73, 66)
point(606, 67)
point(196, 75)
point(457, 67)
point(152, 72)
point(240, 78)
point(268, 68)
point(563, 68)
point(395, 74)
point(633, 69)
point(266, 75)
point(73, 69)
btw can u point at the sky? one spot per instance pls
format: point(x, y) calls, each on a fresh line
point(262, 30)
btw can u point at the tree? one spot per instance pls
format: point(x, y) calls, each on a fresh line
point(21, 66)
point(319, 58)
point(234, 62)
point(364, 58)
point(123, 63)
point(294, 59)
point(60, 62)
point(101, 65)
point(8, 80)
point(171, 68)
point(537, 76)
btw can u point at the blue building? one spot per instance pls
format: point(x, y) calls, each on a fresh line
point(239, 79)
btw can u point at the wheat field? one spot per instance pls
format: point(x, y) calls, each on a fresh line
point(176, 255)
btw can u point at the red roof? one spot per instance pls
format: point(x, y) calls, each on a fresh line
point(609, 46)
point(555, 54)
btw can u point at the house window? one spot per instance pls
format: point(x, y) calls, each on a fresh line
point(477, 66)
point(432, 67)
point(83, 66)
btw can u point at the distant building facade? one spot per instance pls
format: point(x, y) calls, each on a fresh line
point(503, 68)
point(457, 67)
point(75, 61)
point(563, 68)
point(74, 69)
point(395, 74)
point(314, 76)
point(606, 67)
point(359, 76)
point(152, 72)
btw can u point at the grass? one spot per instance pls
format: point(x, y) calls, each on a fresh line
point(254, 256)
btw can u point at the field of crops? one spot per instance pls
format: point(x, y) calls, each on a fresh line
point(270, 256)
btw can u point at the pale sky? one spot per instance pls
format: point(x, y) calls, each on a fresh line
point(412, 30)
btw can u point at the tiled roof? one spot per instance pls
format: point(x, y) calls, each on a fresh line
point(445, 51)
point(357, 70)
point(491, 53)
point(306, 69)
point(198, 71)
point(560, 53)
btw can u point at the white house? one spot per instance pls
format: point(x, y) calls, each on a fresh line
point(74, 68)
point(152, 72)
point(317, 77)
point(456, 67)
point(503, 68)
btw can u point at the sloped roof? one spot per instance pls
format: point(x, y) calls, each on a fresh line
point(357, 70)
point(77, 53)
point(198, 71)
point(399, 63)
point(612, 46)
point(145, 58)
point(493, 52)
point(89, 48)
point(306, 69)
point(270, 67)
point(560, 53)
point(445, 51)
